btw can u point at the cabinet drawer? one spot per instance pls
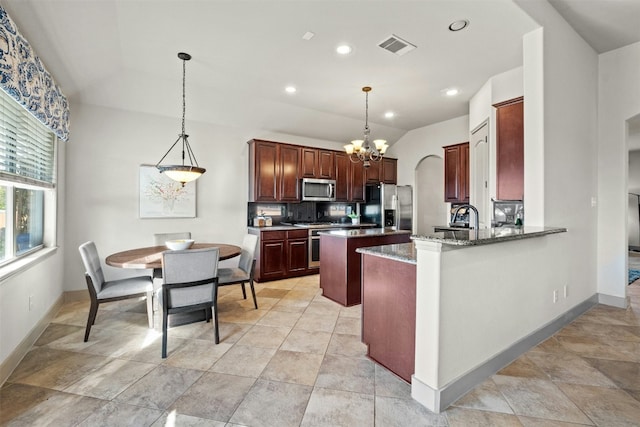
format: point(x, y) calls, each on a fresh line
point(273, 235)
point(297, 234)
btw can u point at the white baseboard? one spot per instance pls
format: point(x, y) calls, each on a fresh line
point(16, 356)
point(438, 400)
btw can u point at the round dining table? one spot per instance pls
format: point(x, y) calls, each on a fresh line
point(151, 257)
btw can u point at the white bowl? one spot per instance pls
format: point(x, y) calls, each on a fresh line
point(179, 244)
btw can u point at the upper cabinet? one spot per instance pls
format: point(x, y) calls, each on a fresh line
point(316, 163)
point(273, 171)
point(456, 173)
point(510, 149)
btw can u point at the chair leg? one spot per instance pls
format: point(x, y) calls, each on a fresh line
point(150, 299)
point(253, 292)
point(165, 316)
point(244, 293)
point(215, 313)
point(93, 311)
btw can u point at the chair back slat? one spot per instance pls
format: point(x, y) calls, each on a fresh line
point(92, 265)
point(249, 245)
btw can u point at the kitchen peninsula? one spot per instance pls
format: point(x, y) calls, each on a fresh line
point(340, 267)
point(480, 302)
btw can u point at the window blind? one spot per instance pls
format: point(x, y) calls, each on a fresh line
point(26, 146)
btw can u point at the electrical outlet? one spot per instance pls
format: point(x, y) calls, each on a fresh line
point(555, 296)
point(30, 302)
point(566, 291)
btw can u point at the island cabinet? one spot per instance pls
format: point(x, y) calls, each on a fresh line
point(273, 172)
point(456, 173)
point(389, 312)
point(281, 254)
point(340, 264)
point(316, 163)
point(510, 149)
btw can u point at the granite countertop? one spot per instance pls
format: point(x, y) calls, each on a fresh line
point(404, 252)
point(487, 235)
point(349, 234)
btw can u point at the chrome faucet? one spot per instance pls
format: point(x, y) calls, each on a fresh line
point(477, 219)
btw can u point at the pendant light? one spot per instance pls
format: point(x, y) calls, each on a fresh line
point(361, 150)
point(182, 173)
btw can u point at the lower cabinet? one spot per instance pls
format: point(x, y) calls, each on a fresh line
point(281, 254)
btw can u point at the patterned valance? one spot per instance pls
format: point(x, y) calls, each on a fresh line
point(25, 79)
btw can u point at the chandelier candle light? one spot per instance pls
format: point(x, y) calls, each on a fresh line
point(361, 150)
point(182, 173)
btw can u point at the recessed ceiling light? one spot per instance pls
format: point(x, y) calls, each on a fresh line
point(459, 25)
point(344, 49)
point(389, 114)
point(451, 91)
point(308, 35)
point(290, 89)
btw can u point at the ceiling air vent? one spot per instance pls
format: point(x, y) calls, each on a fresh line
point(396, 45)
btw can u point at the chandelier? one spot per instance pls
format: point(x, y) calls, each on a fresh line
point(361, 150)
point(182, 173)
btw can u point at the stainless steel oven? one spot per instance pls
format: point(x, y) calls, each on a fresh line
point(314, 245)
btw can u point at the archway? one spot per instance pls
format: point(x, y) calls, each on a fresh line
point(429, 194)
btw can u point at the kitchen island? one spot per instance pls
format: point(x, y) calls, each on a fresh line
point(389, 306)
point(340, 266)
point(482, 301)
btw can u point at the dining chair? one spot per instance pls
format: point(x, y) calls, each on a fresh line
point(102, 291)
point(190, 284)
point(243, 273)
point(159, 239)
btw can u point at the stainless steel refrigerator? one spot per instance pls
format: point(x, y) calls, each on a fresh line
point(388, 205)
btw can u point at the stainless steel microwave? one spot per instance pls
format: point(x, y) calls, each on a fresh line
point(318, 190)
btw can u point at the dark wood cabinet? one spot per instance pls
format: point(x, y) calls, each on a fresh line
point(288, 177)
point(389, 171)
point(316, 163)
point(341, 175)
point(456, 173)
point(297, 251)
point(281, 254)
point(273, 172)
point(374, 172)
point(356, 182)
point(510, 149)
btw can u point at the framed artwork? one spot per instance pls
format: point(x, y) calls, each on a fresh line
point(162, 197)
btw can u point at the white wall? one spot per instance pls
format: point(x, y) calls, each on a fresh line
point(562, 168)
point(103, 156)
point(619, 100)
point(42, 281)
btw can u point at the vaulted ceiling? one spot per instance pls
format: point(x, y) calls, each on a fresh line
point(123, 54)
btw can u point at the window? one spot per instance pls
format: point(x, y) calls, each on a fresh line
point(27, 182)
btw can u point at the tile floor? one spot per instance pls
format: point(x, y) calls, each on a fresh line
point(298, 361)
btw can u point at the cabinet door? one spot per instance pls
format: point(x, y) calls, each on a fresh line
point(308, 163)
point(372, 173)
point(297, 255)
point(289, 182)
point(510, 150)
point(272, 256)
point(356, 182)
point(266, 171)
point(389, 171)
point(451, 173)
point(325, 164)
point(341, 175)
point(464, 173)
